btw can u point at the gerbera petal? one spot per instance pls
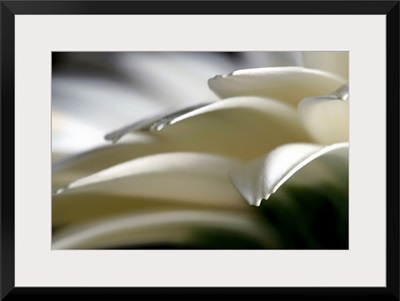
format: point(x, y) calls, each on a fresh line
point(154, 122)
point(204, 164)
point(336, 62)
point(83, 164)
point(157, 227)
point(241, 127)
point(327, 117)
point(260, 178)
point(185, 178)
point(289, 84)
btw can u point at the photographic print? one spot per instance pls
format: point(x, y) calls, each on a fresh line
point(200, 150)
point(143, 159)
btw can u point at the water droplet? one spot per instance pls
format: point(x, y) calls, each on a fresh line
point(59, 190)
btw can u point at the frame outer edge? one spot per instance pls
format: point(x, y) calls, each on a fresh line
point(7, 255)
point(7, 151)
point(392, 164)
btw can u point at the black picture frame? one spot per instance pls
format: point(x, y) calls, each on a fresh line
point(9, 9)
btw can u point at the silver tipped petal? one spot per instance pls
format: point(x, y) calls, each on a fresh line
point(342, 93)
point(270, 113)
point(260, 178)
point(167, 180)
point(153, 123)
point(327, 117)
point(288, 84)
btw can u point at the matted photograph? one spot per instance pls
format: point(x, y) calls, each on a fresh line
point(200, 150)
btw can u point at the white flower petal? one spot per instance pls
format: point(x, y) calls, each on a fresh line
point(196, 163)
point(260, 178)
point(326, 117)
point(241, 127)
point(289, 84)
point(89, 162)
point(157, 227)
point(336, 62)
point(155, 122)
point(185, 178)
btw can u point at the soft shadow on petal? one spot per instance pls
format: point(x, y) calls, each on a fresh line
point(289, 84)
point(175, 178)
point(155, 122)
point(241, 127)
point(73, 167)
point(157, 227)
point(260, 178)
point(311, 210)
point(327, 117)
point(336, 62)
point(204, 164)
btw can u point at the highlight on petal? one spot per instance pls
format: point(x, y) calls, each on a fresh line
point(336, 62)
point(288, 84)
point(157, 227)
point(241, 127)
point(167, 179)
point(258, 179)
point(207, 165)
point(327, 117)
point(154, 122)
point(83, 164)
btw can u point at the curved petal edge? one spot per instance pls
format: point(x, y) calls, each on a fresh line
point(288, 84)
point(260, 178)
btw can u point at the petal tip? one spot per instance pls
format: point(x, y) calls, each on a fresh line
point(112, 137)
point(257, 203)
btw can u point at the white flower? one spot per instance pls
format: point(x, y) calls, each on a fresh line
point(198, 165)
